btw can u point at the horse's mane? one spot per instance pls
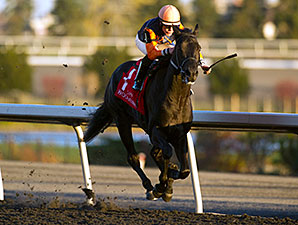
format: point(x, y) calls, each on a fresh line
point(186, 33)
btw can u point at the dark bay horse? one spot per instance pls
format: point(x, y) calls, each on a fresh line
point(168, 116)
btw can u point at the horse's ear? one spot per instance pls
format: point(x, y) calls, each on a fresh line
point(196, 30)
point(176, 30)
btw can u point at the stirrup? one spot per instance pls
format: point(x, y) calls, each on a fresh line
point(137, 85)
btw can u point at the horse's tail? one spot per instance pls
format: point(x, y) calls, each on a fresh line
point(100, 121)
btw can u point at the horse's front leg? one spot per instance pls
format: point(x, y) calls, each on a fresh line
point(158, 139)
point(181, 149)
point(173, 171)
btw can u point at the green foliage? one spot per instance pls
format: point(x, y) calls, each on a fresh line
point(228, 78)
point(210, 154)
point(95, 18)
point(69, 16)
point(289, 153)
point(255, 149)
point(247, 22)
point(125, 17)
point(247, 152)
point(223, 151)
point(17, 16)
point(113, 152)
point(205, 15)
point(15, 73)
point(104, 62)
point(286, 19)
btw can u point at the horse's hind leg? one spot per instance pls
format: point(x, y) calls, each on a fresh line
point(124, 128)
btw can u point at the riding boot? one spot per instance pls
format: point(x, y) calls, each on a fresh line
point(143, 68)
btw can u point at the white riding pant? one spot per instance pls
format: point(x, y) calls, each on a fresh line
point(141, 45)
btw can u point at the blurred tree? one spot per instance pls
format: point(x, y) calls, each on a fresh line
point(255, 148)
point(95, 17)
point(220, 151)
point(17, 14)
point(210, 153)
point(229, 78)
point(205, 15)
point(69, 16)
point(118, 17)
point(289, 153)
point(106, 17)
point(286, 19)
point(246, 152)
point(15, 73)
point(247, 20)
point(104, 62)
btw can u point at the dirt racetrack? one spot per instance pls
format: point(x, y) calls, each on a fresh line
point(108, 213)
point(51, 194)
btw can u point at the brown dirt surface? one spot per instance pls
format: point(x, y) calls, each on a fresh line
point(41, 193)
point(107, 212)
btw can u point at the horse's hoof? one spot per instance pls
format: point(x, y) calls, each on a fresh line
point(167, 196)
point(156, 193)
point(150, 196)
point(184, 174)
point(158, 190)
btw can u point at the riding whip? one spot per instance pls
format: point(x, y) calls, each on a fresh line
point(227, 57)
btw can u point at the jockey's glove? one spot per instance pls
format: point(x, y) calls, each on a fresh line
point(206, 69)
point(167, 51)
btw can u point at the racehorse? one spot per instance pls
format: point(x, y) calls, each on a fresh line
point(168, 113)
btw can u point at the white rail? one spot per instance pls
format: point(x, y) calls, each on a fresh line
point(213, 47)
point(76, 116)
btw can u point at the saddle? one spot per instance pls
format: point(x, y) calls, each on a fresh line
point(126, 93)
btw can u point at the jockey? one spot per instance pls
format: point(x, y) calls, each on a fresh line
point(156, 32)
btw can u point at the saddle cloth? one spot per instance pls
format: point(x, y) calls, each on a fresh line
point(125, 92)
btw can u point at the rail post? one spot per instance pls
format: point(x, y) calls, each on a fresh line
point(85, 166)
point(1, 188)
point(194, 175)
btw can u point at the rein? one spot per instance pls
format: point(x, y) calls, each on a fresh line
point(179, 66)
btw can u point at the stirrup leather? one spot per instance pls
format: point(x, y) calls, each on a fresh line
point(138, 83)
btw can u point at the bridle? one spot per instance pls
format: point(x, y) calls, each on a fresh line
point(179, 66)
